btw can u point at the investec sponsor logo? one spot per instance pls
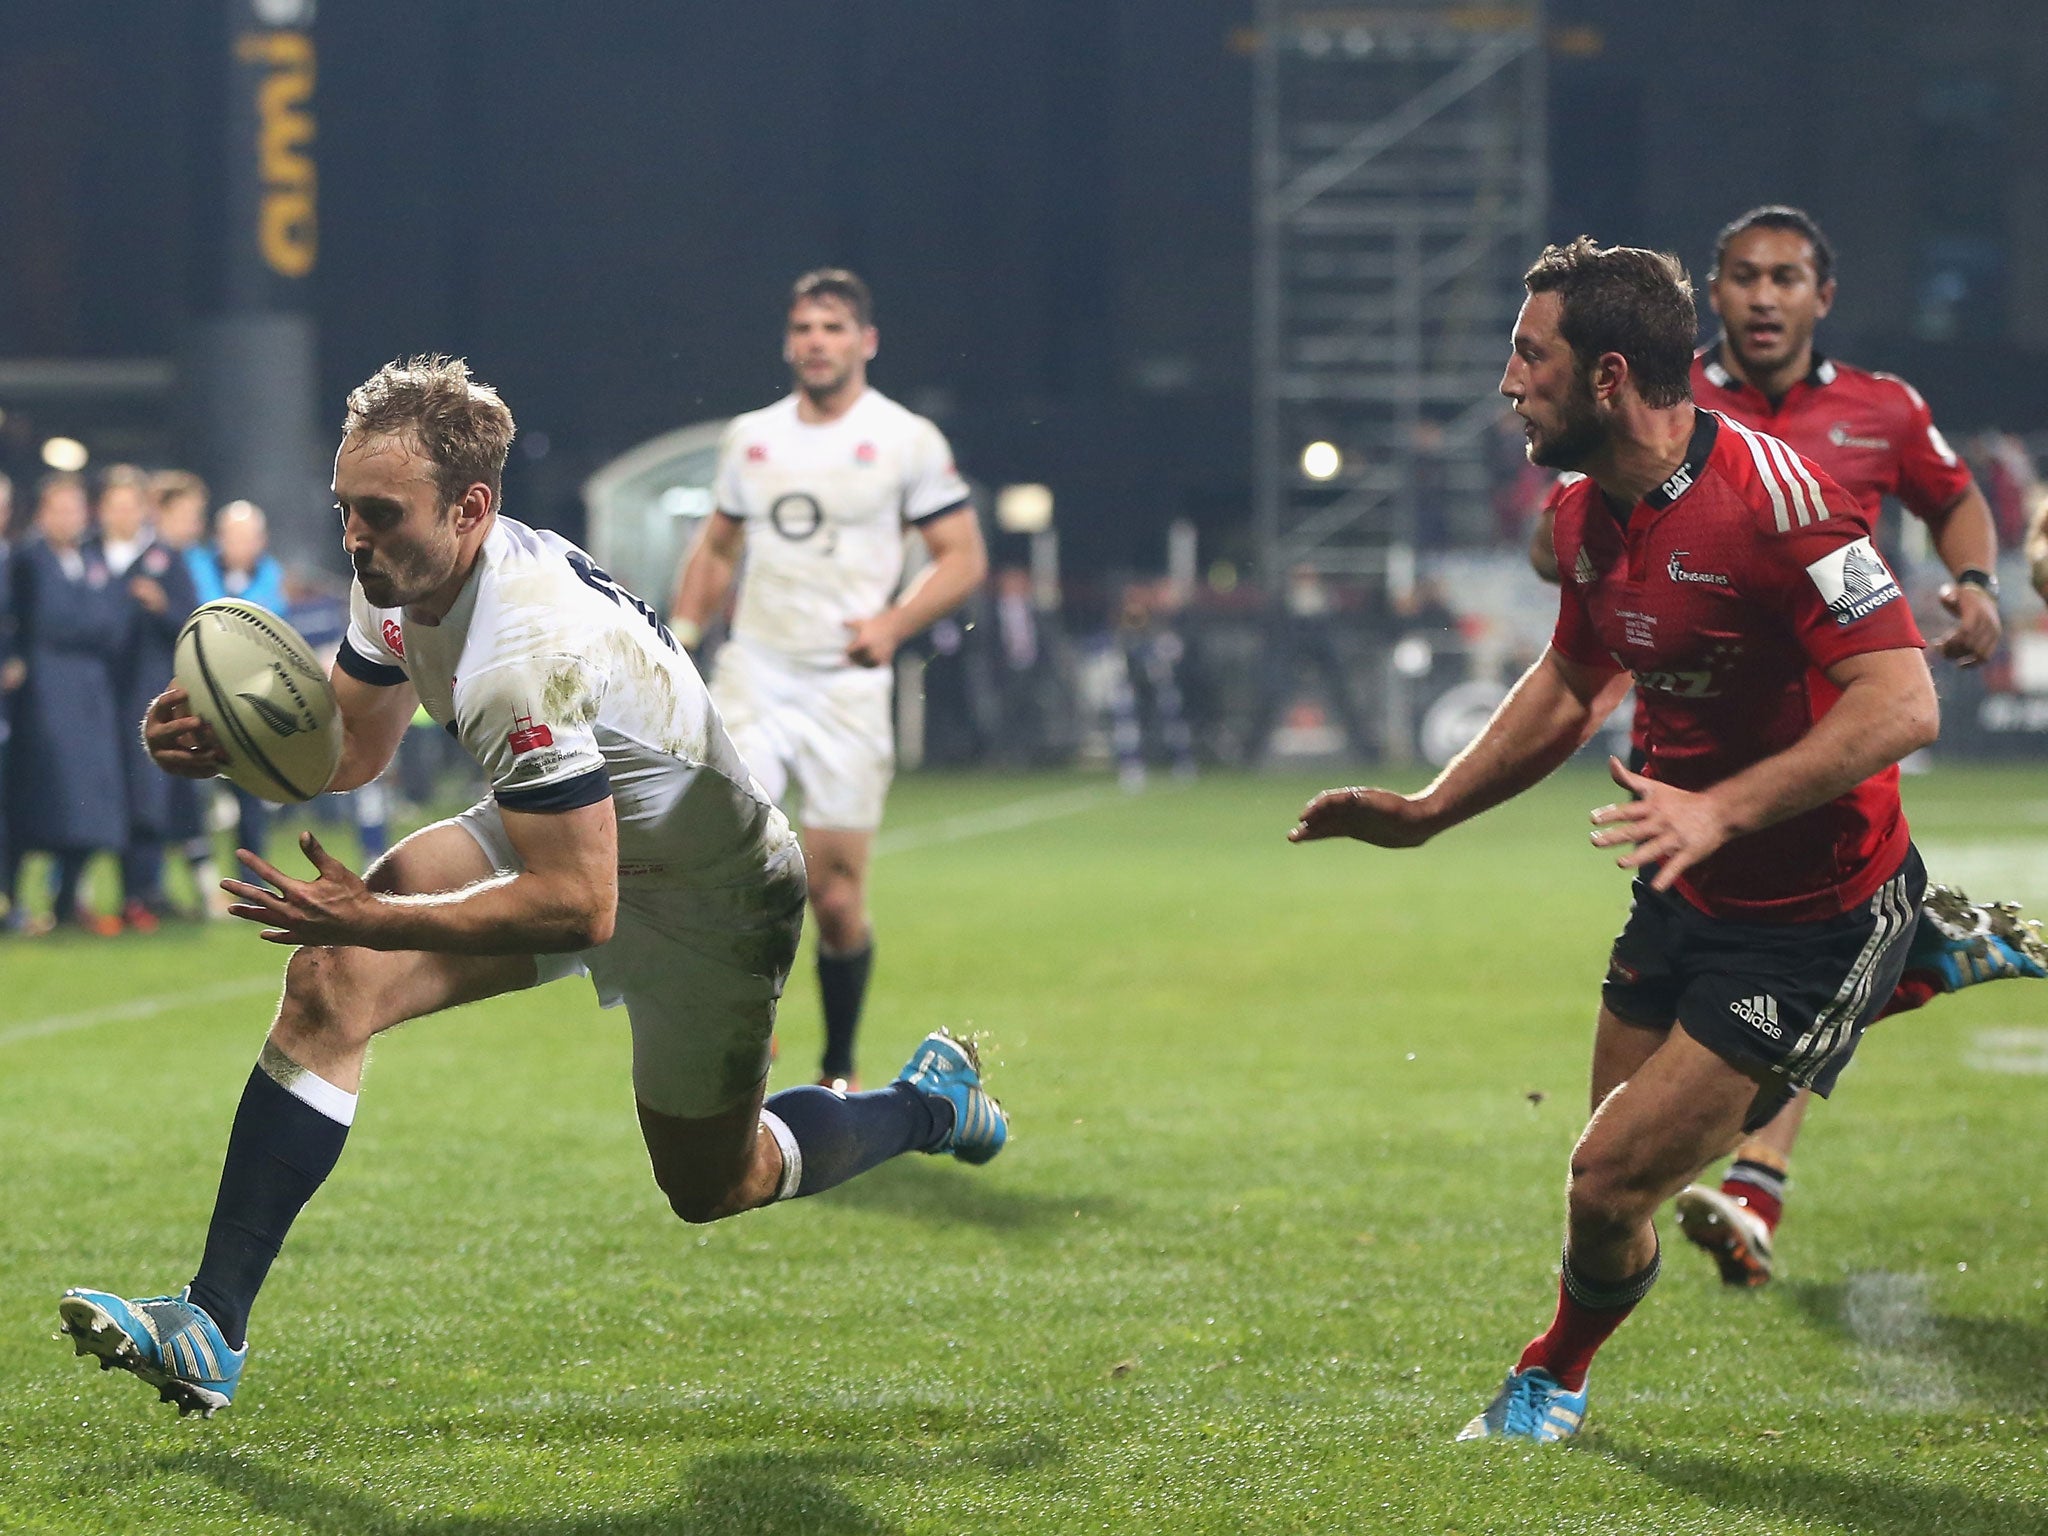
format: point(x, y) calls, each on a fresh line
point(1759, 1013)
point(1853, 581)
point(1680, 573)
point(1840, 435)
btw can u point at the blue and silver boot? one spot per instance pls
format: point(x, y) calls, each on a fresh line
point(1964, 942)
point(1533, 1405)
point(946, 1067)
point(166, 1340)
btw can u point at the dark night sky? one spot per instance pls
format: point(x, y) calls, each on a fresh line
point(601, 206)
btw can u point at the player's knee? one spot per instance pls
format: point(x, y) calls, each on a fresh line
point(1606, 1195)
point(700, 1205)
point(325, 994)
point(841, 912)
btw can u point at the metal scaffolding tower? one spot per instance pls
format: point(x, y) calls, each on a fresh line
point(1400, 196)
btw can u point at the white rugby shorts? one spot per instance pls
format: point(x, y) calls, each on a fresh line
point(823, 731)
point(698, 972)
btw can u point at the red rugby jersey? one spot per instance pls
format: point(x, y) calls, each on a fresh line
point(1871, 431)
point(1726, 592)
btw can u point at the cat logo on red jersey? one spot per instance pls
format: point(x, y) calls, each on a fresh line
point(528, 737)
point(394, 637)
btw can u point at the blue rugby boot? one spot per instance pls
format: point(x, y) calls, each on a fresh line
point(946, 1067)
point(1533, 1405)
point(1963, 942)
point(166, 1340)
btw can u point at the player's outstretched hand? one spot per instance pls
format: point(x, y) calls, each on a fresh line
point(1671, 828)
point(334, 908)
point(179, 741)
point(1977, 629)
point(1376, 816)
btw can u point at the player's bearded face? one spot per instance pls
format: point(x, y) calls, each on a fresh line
point(1574, 432)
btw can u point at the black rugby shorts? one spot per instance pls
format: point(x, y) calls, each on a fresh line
point(1786, 1000)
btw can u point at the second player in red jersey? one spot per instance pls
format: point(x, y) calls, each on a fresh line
point(1772, 284)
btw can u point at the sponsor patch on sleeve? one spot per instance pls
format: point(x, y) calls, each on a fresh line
point(528, 736)
point(1853, 581)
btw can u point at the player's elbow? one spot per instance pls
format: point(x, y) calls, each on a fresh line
point(598, 921)
point(1919, 717)
point(587, 914)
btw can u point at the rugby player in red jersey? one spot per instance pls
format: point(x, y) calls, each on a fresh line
point(1782, 678)
point(1773, 282)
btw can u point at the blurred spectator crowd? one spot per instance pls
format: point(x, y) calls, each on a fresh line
point(97, 578)
point(1146, 673)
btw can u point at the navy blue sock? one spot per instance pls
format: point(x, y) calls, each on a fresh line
point(840, 1135)
point(842, 988)
point(279, 1152)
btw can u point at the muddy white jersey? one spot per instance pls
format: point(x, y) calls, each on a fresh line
point(565, 688)
point(825, 507)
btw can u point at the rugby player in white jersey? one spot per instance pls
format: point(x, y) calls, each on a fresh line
point(623, 839)
point(817, 490)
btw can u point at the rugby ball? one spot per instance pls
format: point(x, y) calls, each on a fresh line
point(256, 682)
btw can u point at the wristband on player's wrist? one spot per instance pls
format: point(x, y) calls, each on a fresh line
point(1979, 578)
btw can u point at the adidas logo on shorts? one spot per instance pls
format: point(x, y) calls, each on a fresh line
point(1759, 1012)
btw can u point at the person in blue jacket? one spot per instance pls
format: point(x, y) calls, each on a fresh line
point(66, 794)
point(182, 501)
point(238, 563)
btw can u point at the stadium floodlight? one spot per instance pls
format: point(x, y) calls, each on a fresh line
point(1321, 460)
point(1024, 508)
point(65, 453)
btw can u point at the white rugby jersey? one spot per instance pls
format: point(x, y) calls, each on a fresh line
point(825, 507)
point(565, 688)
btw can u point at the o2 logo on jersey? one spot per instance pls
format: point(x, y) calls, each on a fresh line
point(1683, 685)
point(394, 637)
point(796, 515)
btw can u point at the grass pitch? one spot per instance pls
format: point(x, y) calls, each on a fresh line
point(1284, 1199)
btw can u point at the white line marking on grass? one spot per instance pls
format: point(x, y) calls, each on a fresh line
point(1897, 1343)
point(1000, 818)
point(138, 1008)
point(2021, 1051)
point(951, 829)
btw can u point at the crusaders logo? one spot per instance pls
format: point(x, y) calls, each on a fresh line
point(394, 637)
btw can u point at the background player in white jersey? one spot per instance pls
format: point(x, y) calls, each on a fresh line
point(623, 838)
point(817, 490)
